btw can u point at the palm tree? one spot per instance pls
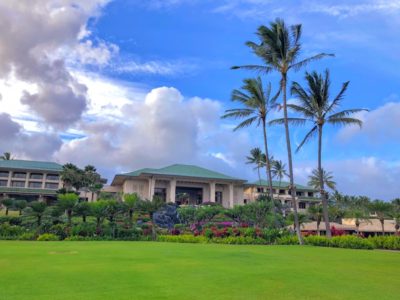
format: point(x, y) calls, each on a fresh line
point(99, 211)
point(257, 158)
point(7, 203)
point(258, 104)
point(6, 156)
point(314, 180)
point(82, 209)
point(279, 170)
point(20, 205)
point(382, 210)
point(130, 202)
point(315, 106)
point(280, 48)
point(37, 209)
point(316, 214)
point(67, 203)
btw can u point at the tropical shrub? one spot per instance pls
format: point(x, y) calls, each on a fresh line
point(7, 230)
point(11, 220)
point(27, 236)
point(130, 233)
point(239, 240)
point(185, 238)
point(60, 230)
point(315, 240)
point(48, 237)
point(287, 240)
point(351, 241)
point(84, 229)
point(391, 242)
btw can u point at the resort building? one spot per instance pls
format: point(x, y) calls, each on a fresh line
point(181, 184)
point(29, 180)
point(305, 196)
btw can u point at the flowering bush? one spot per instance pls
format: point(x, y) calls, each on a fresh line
point(336, 232)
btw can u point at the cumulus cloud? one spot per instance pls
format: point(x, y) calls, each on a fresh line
point(34, 145)
point(379, 125)
point(33, 33)
point(367, 176)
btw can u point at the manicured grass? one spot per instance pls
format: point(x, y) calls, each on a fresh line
point(13, 213)
point(145, 270)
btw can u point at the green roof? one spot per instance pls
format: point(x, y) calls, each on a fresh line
point(282, 184)
point(27, 191)
point(30, 165)
point(184, 171)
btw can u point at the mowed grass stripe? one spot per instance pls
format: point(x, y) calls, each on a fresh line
point(145, 270)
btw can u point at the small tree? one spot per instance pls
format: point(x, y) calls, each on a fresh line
point(316, 213)
point(67, 202)
point(187, 215)
point(7, 203)
point(382, 210)
point(99, 211)
point(20, 205)
point(151, 207)
point(37, 209)
point(131, 201)
point(82, 209)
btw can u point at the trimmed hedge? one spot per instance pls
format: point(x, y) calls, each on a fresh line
point(239, 240)
point(185, 238)
point(390, 242)
point(344, 241)
point(48, 237)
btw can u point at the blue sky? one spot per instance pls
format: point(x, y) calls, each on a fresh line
point(147, 81)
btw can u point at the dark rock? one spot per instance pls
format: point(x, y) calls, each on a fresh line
point(167, 216)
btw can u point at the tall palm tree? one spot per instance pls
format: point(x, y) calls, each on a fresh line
point(6, 156)
point(257, 104)
point(257, 158)
point(314, 180)
point(316, 213)
point(359, 214)
point(280, 48)
point(316, 106)
point(279, 170)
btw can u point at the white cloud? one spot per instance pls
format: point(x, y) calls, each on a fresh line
point(379, 125)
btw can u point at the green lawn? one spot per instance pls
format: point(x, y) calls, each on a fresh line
point(145, 270)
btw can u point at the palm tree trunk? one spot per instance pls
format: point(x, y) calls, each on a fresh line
point(383, 226)
point(289, 152)
point(259, 176)
point(318, 231)
point(269, 174)
point(323, 195)
point(6, 211)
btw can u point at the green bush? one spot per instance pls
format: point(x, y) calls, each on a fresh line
point(48, 237)
point(130, 233)
point(250, 232)
point(351, 241)
point(316, 240)
point(12, 220)
point(239, 240)
point(185, 238)
point(287, 240)
point(208, 233)
point(27, 236)
point(60, 230)
point(84, 229)
point(7, 230)
point(271, 235)
point(390, 242)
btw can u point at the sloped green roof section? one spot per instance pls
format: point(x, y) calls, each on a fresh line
point(183, 171)
point(283, 184)
point(27, 191)
point(30, 165)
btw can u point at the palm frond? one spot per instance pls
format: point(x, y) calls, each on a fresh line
point(245, 123)
point(345, 121)
point(338, 98)
point(304, 62)
point(346, 113)
point(293, 121)
point(237, 113)
point(258, 68)
point(307, 138)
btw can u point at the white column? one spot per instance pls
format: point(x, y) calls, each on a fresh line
point(172, 190)
point(28, 175)
point(230, 195)
point(152, 183)
point(9, 179)
point(212, 191)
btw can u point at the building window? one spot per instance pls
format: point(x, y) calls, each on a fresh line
point(52, 186)
point(19, 175)
point(310, 194)
point(299, 194)
point(3, 182)
point(281, 192)
point(3, 174)
point(288, 203)
point(245, 201)
point(218, 197)
point(35, 184)
point(260, 190)
point(52, 177)
point(274, 191)
point(302, 205)
point(36, 176)
point(17, 183)
point(161, 192)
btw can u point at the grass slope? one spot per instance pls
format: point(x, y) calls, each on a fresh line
point(144, 270)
